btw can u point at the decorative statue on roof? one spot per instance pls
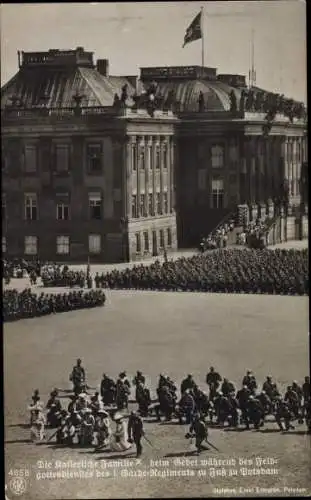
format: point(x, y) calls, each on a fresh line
point(136, 100)
point(249, 104)
point(233, 101)
point(116, 101)
point(170, 100)
point(258, 102)
point(242, 102)
point(201, 102)
point(124, 94)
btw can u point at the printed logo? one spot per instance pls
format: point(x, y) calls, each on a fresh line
point(18, 485)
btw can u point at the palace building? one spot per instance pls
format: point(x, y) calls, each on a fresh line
point(115, 168)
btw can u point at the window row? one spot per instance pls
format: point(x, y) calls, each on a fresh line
point(143, 242)
point(95, 205)
point(153, 204)
point(62, 245)
point(140, 160)
point(60, 158)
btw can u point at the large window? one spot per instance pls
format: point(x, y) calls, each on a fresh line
point(150, 159)
point(158, 203)
point(146, 241)
point(150, 204)
point(94, 158)
point(202, 179)
point(134, 158)
point(169, 237)
point(218, 156)
point(142, 207)
point(157, 158)
point(3, 244)
point(31, 209)
point(142, 159)
point(4, 208)
point(62, 245)
point(62, 207)
point(217, 193)
point(95, 204)
point(165, 203)
point(138, 243)
point(62, 157)
point(298, 152)
point(31, 245)
point(95, 243)
point(30, 158)
point(165, 157)
point(134, 206)
point(162, 243)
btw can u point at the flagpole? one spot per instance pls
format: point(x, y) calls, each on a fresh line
point(202, 37)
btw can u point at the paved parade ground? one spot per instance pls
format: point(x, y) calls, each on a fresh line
point(175, 334)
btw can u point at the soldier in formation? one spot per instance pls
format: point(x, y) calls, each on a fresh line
point(225, 271)
point(26, 304)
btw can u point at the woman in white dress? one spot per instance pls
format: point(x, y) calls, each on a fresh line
point(119, 439)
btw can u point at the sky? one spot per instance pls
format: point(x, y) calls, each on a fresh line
point(133, 35)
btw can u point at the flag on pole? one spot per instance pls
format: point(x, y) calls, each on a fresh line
point(194, 31)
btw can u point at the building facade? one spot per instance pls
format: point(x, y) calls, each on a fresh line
point(81, 177)
point(113, 168)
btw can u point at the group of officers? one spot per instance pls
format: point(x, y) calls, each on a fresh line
point(282, 272)
point(26, 304)
point(87, 421)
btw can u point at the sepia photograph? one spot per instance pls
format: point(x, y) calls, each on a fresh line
point(155, 262)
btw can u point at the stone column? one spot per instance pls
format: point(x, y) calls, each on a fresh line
point(138, 145)
point(173, 168)
point(127, 178)
point(149, 172)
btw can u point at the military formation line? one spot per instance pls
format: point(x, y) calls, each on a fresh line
point(88, 419)
point(26, 304)
point(281, 272)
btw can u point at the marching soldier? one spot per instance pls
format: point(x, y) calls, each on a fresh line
point(291, 397)
point(282, 412)
point(255, 412)
point(270, 388)
point(139, 378)
point(265, 402)
point(227, 387)
point(135, 432)
point(250, 381)
point(143, 399)
point(77, 377)
point(187, 383)
point(186, 407)
point(213, 380)
point(242, 397)
point(233, 410)
point(198, 429)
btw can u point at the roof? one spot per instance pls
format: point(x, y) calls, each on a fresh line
point(59, 86)
point(216, 93)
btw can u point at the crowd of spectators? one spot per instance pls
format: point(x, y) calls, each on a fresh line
point(281, 272)
point(253, 234)
point(218, 238)
point(19, 268)
point(26, 304)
